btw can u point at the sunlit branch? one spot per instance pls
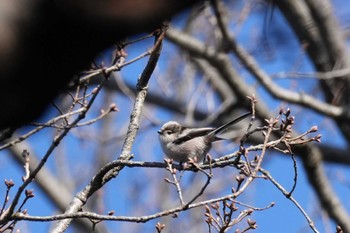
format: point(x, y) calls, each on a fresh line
point(102, 178)
point(175, 181)
point(144, 218)
point(275, 90)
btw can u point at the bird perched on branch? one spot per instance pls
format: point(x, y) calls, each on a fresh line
point(182, 143)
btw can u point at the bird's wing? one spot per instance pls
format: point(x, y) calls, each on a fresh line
point(193, 134)
point(209, 131)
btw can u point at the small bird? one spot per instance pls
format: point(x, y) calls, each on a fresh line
point(181, 143)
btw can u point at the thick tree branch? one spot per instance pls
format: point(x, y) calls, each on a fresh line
point(102, 178)
point(315, 170)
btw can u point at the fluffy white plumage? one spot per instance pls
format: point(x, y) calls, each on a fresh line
point(182, 143)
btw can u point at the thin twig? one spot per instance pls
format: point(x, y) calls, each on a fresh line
point(116, 67)
point(30, 133)
point(9, 185)
point(272, 204)
point(284, 94)
point(144, 218)
point(209, 176)
point(267, 136)
point(112, 108)
point(175, 180)
point(290, 197)
point(56, 141)
point(104, 175)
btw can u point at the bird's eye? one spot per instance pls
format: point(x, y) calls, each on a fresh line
point(169, 132)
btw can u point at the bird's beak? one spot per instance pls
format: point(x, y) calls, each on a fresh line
point(159, 132)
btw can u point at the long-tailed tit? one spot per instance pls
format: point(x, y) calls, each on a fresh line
point(181, 143)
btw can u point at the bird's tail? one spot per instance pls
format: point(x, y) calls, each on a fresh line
point(229, 124)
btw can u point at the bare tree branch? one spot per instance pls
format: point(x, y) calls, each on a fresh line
point(102, 178)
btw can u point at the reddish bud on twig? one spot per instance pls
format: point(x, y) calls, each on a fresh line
point(281, 111)
point(250, 211)
point(233, 207)
point(167, 180)
point(160, 227)
point(111, 212)
point(209, 220)
point(267, 121)
point(168, 161)
point(252, 98)
point(25, 153)
point(215, 205)
point(113, 107)
point(240, 178)
point(95, 90)
point(209, 158)
point(252, 223)
point(287, 113)
point(9, 184)
point(29, 193)
point(313, 129)
point(318, 138)
point(291, 120)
